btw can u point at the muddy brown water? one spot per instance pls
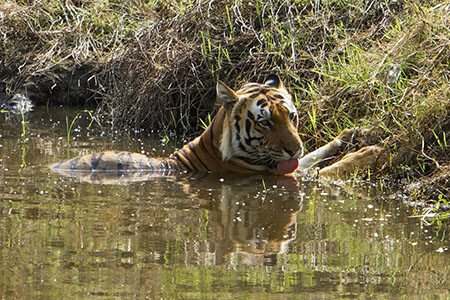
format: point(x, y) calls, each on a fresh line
point(173, 236)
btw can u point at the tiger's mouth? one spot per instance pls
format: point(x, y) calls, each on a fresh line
point(287, 166)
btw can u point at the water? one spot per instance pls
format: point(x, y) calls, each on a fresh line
point(181, 237)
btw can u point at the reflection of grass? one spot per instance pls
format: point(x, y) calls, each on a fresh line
point(24, 124)
point(435, 214)
point(204, 223)
point(69, 127)
point(24, 131)
point(24, 127)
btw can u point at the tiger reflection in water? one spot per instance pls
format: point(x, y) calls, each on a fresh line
point(247, 220)
point(254, 224)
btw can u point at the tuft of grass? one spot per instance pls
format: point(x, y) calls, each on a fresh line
point(24, 139)
point(207, 122)
point(69, 127)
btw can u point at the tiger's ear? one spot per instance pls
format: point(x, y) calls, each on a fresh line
point(275, 81)
point(226, 96)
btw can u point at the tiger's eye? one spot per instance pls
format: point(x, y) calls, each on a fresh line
point(265, 123)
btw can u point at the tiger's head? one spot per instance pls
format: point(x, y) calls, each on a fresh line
point(260, 126)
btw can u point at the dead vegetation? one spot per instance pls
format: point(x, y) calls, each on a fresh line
point(153, 64)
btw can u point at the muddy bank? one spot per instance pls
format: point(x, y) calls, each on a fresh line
point(430, 191)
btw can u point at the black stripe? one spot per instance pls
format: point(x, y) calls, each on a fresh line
point(261, 102)
point(120, 163)
point(249, 140)
point(211, 133)
point(141, 164)
point(248, 126)
point(277, 96)
point(238, 128)
point(211, 139)
point(185, 155)
point(253, 96)
point(191, 147)
point(235, 164)
point(96, 161)
point(253, 90)
point(203, 144)
point(260, 161)
point(177, 156)
point(74, 162)
point(129, 158)
point(57, 166)
point(251, 85)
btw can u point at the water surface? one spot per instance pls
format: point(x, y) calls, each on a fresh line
point(180, 237)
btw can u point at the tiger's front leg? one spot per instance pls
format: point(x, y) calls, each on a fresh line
point(363, 159)
point(320, 155)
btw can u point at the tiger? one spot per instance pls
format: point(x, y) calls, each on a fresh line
point(255, 130)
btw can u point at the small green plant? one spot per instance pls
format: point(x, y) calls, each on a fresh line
point(206, 123)
point(381, 185)
point(313, 120)
point(263, 184)
point(69, 127)
point(354, 179)
point(24, 131)
point(442, 143)
point(264, 191)
point(230, 21)
point(176, 122)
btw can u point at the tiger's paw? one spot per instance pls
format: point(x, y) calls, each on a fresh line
point(347, 135)
point(367, 157)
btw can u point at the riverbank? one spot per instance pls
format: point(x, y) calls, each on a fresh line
point(379, 65)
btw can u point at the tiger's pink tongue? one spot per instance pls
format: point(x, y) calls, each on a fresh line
point(287, 166)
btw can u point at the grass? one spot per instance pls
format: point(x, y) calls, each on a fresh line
point(153, 64)
point(24, 126)
point(69, 127)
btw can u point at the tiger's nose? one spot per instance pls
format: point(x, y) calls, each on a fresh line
point(295, 152)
